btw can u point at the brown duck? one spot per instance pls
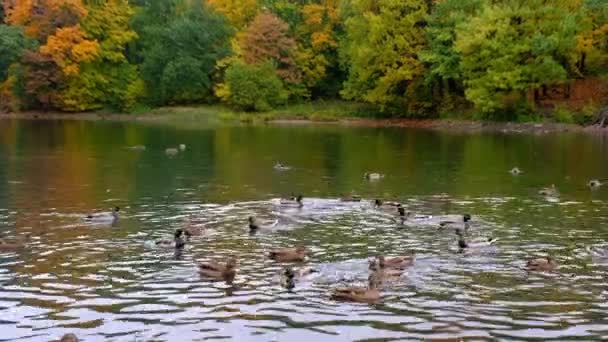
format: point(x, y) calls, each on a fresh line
point(192, 230)
point(218, 271)
point(351, 198)
point(541, 264)
point(289, 254)
point(398, 262)
point(69, 338)
point(369, 294)
point(9, 246)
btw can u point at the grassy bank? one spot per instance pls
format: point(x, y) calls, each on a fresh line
point(342, 112)
point(315, 111)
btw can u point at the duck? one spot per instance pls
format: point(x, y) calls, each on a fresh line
point(292, 202)
point(193, 227)
point(111, 217)
point(8, 246)
point(69, 338)
point(177, 242)
point(182, 147)
point(215, 270)
point(351, 198)
point(594, 183)
point(280, 167)
point(373, 176)
point(288, 278)
point(382, 272)
point(598, 251)
point(398, 262)
point(549, 192)
point(298, 253)
point(171, 151)
point(369, 294)
point(541, 264)
point(192, 230)
point(255, 225)
point(403, 215)
point(463, 244)
point(452, 224)
point(386, 205)
point(515, 171)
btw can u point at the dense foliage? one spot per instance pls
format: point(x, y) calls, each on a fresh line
point(408, 57)
point(253, 87)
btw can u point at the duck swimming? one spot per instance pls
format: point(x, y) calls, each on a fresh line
point(403, 215)
point(292, 202)
point(6, 246)
point(218, 271)
point(386, 205)
point(541, 264)
point(255, 225)
point(515, 171)
point(171, 151)
point(597, 251)
point(463, 244)
point(369, 294)
point(177, 242)
point(352, 198)
point(111, 217)
point(594, 183)
point(398, 262)
point(289, 254)
point(549, 192)
point(454, 224)
point(288, 278)
point(280, 167)
point(69, 338)
point(193, 227)
point(373, 176)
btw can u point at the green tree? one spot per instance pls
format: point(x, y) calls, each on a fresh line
point(511, 48)
point(440, 56)
point(253, 87)
point(383, 40)
point(12, 45)
point(592, 46)
point(179, 58)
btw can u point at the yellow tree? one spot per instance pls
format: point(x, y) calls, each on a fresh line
point(238, 12)
point(384, 38)
point(318, 41)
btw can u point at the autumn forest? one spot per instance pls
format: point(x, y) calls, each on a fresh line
point(416, 58)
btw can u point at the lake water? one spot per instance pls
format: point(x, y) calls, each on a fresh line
point(105, 283)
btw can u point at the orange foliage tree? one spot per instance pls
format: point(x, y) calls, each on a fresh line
point(41, 18)
point(267, 39)
point(64, 46)
point(68, 47)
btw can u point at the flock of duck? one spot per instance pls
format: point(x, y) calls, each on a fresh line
point(381, 268)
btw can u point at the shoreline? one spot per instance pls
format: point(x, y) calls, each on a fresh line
point(185, 115)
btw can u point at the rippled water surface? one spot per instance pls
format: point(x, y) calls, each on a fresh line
point(107, 283)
